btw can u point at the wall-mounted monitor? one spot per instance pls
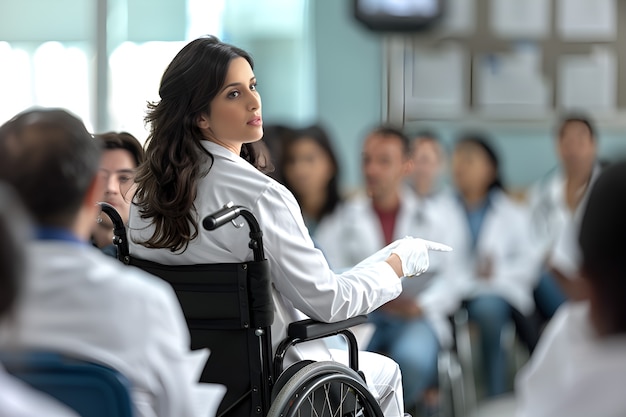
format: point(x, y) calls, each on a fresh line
point(398, 15)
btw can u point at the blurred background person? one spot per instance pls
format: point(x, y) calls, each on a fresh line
point(121, 155)
point(579, 367)
point(497, 269)
point(383, 213)
point(556, 203)
point(412, 328)
point(16, 398)
point(429, 164)
point(310, 171)
point(274, 138)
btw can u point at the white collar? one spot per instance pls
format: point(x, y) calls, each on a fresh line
point(218, 150)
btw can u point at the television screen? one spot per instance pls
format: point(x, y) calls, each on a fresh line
point(397, 15)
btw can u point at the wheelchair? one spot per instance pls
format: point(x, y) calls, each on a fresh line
point(229, 310)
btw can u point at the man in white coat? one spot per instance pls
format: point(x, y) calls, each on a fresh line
point(413, 327)
point(556, 203)
point(76, 300)
point(16, 398)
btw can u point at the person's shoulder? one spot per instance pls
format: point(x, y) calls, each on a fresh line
point(445, 199)
point(356, 200)
point(273, 192)
point(570, 326)
point(505, 202)
point(545, 186)
point(111, 276)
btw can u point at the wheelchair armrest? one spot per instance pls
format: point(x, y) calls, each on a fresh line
point(312, 329)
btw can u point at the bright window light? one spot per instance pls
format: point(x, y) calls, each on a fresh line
point(15, 81)
point(61, 79)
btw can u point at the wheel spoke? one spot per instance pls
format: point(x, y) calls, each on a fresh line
point(332, 392)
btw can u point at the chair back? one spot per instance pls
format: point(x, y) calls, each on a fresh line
point(90, 389)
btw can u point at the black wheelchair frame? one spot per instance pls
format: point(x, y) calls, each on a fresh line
point(231, 314)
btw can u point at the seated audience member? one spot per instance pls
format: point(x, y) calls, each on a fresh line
point(497, 269)
point(122, 153)
point(16, 398)
point(435, 199)
point(310, 171)
point(274, 136)
point(75, 299)
point(556, 203)
point(579, 366)
point(411, 328)
point(426, 175)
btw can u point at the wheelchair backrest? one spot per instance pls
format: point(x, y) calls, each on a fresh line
point(229, 309)
point(91, 389)
point(225, 309)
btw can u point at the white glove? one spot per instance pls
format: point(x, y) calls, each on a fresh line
point(413, 253)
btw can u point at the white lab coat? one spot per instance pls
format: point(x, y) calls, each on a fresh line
point(19, 400)
point(553, 224)
point(353, 232)
point(302, 283)
point(80, 302)
point(504, 237)
point(573, 372)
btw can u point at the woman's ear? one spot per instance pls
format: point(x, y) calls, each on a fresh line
point(203, 121)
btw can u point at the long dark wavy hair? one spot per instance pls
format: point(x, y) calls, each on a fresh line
point(175, 160)
point(318, 134)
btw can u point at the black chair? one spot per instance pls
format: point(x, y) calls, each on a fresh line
point(229, 309)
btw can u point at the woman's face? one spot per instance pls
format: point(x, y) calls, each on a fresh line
point(308, 168)
point(235, 112)
point(471, 168)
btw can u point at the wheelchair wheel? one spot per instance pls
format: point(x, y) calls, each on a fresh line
point(325, 389)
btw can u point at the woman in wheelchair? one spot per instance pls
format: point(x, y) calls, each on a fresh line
point(200, 154)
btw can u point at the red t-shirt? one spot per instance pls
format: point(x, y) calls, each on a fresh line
point(387, 222)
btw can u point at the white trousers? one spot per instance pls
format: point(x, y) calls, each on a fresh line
point(383, 377)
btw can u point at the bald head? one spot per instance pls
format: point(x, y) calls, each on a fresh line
point(48, 156)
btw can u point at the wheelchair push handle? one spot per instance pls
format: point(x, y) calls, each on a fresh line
point(119, 230)
point(229, 213)
point(222, 216)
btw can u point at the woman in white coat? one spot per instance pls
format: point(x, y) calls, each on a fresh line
point(496, 270)
point(309, 169)
point(200, 155)
point(579, 366)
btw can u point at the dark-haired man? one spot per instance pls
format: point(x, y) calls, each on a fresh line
point(76, 300)
point(411, 328)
